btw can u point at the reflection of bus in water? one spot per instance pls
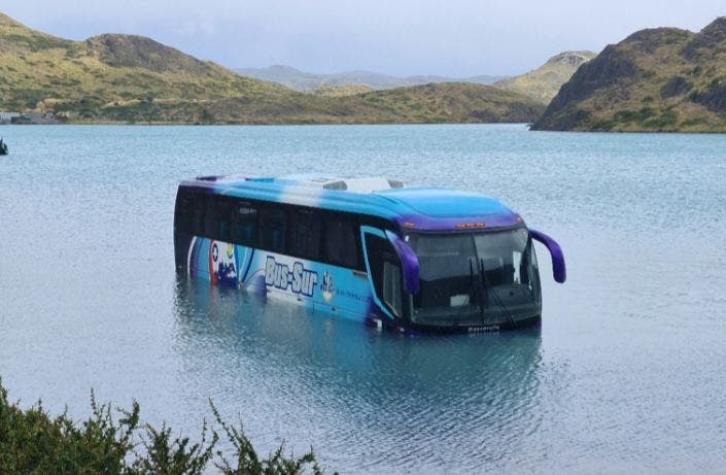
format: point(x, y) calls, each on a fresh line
point(367, 249)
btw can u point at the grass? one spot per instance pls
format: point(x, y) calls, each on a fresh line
point(32, 441)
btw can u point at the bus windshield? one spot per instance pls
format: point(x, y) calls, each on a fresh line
point(476, 278)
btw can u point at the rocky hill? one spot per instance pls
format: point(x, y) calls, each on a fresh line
point(125, 78)
point(662, 79)
point(543, 83)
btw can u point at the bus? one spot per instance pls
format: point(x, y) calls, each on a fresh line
point(411, 259)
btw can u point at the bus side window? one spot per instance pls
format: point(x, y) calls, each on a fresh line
point(210, 217)
point(273, 225)
point(198, 211)
point(217, 218)
point(304, 233)
point(184, 219)
point(244, 224)
point(224, 209)
point(341, 241)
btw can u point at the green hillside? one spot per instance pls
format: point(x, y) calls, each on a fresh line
point(340, 91)
point(121, 78)
point(450, 102)
point(543, 83)
point(81, 80)
point(662, 79)
point(434, 103)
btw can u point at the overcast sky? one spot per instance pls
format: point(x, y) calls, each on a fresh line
point(450, 37)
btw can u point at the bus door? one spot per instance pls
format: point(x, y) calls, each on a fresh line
point(384, 272)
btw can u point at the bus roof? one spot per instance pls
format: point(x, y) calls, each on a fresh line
point(413, 209)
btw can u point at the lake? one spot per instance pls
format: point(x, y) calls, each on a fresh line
point(626, 374)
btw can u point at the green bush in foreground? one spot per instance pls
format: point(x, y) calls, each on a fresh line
point(31, 441)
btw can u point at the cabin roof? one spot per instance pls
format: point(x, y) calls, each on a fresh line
point(413, 208)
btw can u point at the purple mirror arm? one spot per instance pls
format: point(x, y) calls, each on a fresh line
point(409, 263)
point(559, 270)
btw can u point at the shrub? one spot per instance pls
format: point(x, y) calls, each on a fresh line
point(31, 441)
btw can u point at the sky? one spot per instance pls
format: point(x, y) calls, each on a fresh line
point(402, 37)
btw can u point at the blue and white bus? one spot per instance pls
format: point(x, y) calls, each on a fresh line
point(366, 248)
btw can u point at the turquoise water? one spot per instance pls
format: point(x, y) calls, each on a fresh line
point(626, 374)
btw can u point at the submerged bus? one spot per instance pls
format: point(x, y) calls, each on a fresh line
point(365, 248)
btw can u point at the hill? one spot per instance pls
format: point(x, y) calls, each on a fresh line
point(126, 78)
point(433, 103)
point(81, 80)
point(543, 83)
point(662, 79)
point(309, 82)
point(449, 102)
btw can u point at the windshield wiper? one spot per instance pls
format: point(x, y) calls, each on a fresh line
point(485, 284)
point(478, 294)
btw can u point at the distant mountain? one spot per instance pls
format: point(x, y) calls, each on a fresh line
point(309, 82)
point(125, 78)
point(543, 83)
point(662, 79)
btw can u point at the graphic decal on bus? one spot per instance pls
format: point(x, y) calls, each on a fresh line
point(222, 263)
point(298, 279)
point(327, 287)
point(265, 274)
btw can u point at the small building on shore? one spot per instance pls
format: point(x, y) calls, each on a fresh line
point(27, 118)
point(7, 117)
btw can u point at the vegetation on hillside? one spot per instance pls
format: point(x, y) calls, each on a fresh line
point(543, 83)
point(340, 91)
point(136, 79)
point(32, 441)
point(451, 102)
point(662, 79)
point(78, 80)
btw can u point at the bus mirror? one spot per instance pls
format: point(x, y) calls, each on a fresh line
point(559, 270)
point(409, 263)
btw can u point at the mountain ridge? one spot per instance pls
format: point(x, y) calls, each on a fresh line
point(129, 78)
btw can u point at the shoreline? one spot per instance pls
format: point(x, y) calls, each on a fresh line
point(303, 124)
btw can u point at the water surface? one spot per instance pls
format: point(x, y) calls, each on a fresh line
point(626, 373)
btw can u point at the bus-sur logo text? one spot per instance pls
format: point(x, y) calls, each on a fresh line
point(299, 280)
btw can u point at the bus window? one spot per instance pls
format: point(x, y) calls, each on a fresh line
point(184, 218)
point(341, 243)
point(198, 211)
point(210, 217)
point(217, 214)
point(392, 285)
point(273, 224)
point(304, 233)
point(244, 224)
point(225, 210)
